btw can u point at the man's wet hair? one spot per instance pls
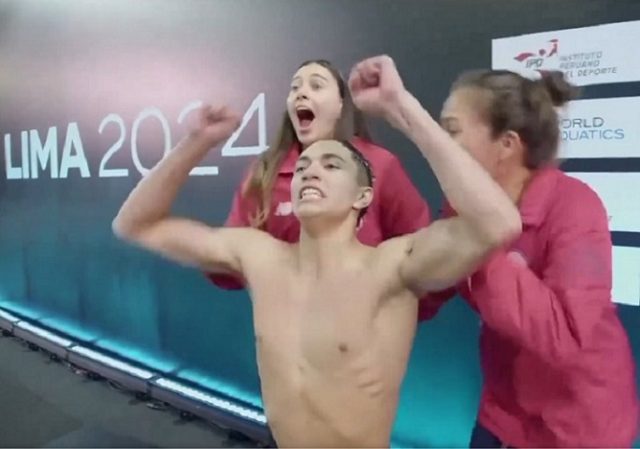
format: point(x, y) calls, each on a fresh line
point(365, 174)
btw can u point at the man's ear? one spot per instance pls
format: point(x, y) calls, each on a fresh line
point(365, 197)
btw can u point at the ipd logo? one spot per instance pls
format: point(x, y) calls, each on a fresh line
point(535, 60)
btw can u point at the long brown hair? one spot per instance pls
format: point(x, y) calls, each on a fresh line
point(262, 179)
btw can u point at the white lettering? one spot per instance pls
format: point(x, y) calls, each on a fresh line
point(44, 154)
point(258, 104)
point(103, 171)
point(77, 160)
point(196, 171)
point(148, 112)
point(11, 171)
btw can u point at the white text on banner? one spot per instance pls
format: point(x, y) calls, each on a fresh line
point(607, 127)
point(590, 55)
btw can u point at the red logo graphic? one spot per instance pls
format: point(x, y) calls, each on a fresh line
point(535, 60)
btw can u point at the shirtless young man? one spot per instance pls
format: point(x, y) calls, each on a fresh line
point(334, 319)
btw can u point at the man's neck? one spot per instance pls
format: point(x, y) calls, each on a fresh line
point(323, 249)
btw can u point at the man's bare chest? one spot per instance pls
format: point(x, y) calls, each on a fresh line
point(320, 323)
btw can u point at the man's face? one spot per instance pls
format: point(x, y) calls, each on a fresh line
point(325, 183)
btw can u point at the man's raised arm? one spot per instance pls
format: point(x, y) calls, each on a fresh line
point(448, 250)
point(145, 217)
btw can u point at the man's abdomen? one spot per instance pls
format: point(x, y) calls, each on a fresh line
point(315, 409)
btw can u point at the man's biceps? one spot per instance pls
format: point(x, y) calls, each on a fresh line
point(195, 241)
point(428, 276)
point(224, 243)
point(164, 234)
point(165, 239)
point(421, 260)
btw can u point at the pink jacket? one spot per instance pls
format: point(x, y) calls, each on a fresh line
point(557, 363)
